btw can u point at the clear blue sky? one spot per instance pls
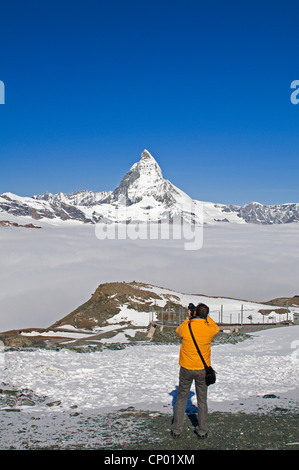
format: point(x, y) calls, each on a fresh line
point(203, 85)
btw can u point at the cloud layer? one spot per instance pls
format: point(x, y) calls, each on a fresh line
point(47, 273)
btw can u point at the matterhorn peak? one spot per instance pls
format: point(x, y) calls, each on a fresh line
point(146, 155)
point(147, 160)
point(143, 179)
point(147, 165)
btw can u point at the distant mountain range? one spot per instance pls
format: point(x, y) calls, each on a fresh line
point(142, 195)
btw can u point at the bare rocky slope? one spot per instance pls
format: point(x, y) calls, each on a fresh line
point(107, 301)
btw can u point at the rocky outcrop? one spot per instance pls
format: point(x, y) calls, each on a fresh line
point(107, 301)
point(8, 223)
point(127, 310)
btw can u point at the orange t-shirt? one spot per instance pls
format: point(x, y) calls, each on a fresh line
point(203, 331)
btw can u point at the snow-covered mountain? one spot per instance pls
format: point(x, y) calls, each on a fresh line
point(142, 195)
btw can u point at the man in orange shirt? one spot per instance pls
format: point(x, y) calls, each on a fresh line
point(192, 368)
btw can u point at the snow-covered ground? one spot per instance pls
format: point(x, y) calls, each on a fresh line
point(146, 376)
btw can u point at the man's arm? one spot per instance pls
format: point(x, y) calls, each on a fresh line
point(180, 328)
point(214, 327)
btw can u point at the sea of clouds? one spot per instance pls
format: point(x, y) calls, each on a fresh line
point(46, 273)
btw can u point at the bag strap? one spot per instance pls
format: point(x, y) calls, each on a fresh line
point(198, 350)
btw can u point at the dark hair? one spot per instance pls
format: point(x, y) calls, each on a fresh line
point(202, 310)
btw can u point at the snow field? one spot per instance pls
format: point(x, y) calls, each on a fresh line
point(146, 376)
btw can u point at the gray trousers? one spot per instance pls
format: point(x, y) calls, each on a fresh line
point(185, 381)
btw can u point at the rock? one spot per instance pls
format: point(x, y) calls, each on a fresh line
point(10, 409)
point(13, 393)
point(14, 339)
point(27, 402)
point(54, 403)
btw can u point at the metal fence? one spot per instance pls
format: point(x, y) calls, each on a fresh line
point(175, 316)
point(168, 316)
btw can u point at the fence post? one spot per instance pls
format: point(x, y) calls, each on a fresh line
point(182, 315)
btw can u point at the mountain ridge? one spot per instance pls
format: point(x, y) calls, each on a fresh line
point(142, 195)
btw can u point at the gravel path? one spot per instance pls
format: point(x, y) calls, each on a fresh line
point(140, 430)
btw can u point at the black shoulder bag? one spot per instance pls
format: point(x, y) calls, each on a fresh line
point(210, 372)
